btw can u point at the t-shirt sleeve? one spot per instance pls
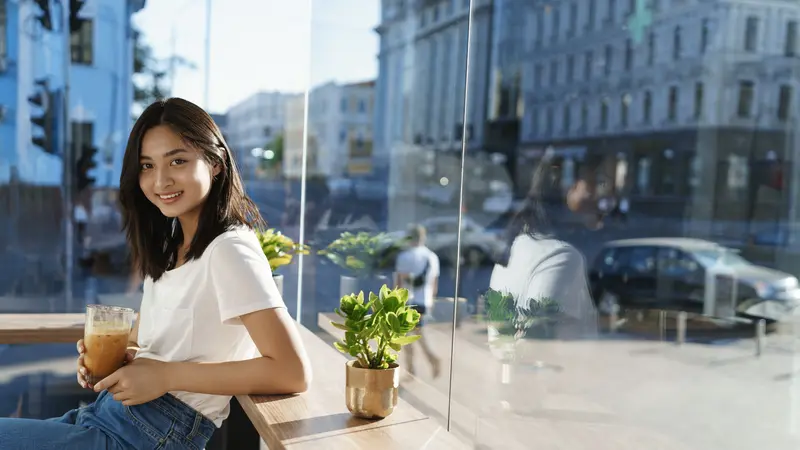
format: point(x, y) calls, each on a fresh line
point(242, 280)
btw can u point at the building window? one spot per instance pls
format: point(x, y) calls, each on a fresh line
point(362, 106)
point(82, 47)
point(3, 30)
point(573, 19)
point(672, 106)
point(612, 10)
point(587, 65)
point(651, 48)
point(751, 34)
point(655, 5)
point(604, 114)
point(556, 23)
point(570, 68)
point(790, 46)
point(704, 30)
point(548, 125)
point(745, 106)
point(785, 102)
point(584, 116)
point(567, 119)
point(676, 44)
point(590, 19)
point(343, 105)
point(647, 107)
point(631, 7)
point(539, 27)
point(698, 100)
point(625, 103)
point(435, 13)
point(609, 59)
point(628, 54)
point(537, 75)
point(553, 72)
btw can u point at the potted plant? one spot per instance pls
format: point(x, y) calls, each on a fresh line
point(508, 320)
point(375, 332)
point(364, 256)
point(279, 250)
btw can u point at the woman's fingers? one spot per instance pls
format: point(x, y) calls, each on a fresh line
point(83, 373)
point(81, 348)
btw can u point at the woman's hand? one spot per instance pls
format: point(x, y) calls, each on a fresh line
point(139, 381)
point(83, 372)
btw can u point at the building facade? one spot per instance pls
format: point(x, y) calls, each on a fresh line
point(703, 90)
point(32, 62)
point(340, 123)
point(254, 123)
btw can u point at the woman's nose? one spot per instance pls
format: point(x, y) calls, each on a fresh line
point(163, 179)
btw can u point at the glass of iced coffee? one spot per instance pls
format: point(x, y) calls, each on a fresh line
point(105, 339)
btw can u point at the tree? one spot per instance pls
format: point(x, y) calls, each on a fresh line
point(152, 75)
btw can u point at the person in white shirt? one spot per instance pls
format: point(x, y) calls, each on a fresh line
point(417, 269)
point(538, 265)
point(212, 322)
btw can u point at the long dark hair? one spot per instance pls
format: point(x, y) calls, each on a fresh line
point(544, 197)
point(154, 239)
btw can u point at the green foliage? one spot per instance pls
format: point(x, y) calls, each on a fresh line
point(376, 330)
point(363, 253)
point(512, 317)
point(279, 248)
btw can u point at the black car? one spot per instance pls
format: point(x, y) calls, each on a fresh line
point(689, 275)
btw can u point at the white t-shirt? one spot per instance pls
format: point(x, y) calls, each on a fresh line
point(192, 312)
point(412, 261)
point(549, 268)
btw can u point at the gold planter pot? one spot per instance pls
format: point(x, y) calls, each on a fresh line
point(371, 393)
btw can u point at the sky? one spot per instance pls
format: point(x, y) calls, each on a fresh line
point(263, 45)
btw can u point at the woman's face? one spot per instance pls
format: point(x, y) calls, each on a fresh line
point(173, 175)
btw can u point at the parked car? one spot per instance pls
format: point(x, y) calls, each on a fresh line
point(689, 275)
point(479, 245)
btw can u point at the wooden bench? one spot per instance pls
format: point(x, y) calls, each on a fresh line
point(315, 419)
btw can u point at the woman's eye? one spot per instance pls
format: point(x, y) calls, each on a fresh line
point(178, 162)
point(146, 166)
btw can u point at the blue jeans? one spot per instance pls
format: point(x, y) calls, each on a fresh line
point(164, 423)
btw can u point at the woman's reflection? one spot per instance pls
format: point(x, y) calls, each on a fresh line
point(538, 264)
point(539, 287)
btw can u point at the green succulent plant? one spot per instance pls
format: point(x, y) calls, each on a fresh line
point(363, 253)
point(279, 248)
point(377, 329)
point(513, 318)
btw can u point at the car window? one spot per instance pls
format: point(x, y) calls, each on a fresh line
point(608, 261)
point(675, 263)
point(640, 260)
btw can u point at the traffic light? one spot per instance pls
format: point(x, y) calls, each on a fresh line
point(44, 18)
point(84, 164)
point(75, 22)
point(45, 100)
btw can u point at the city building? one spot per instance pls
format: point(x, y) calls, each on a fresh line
point(33, 56)
point(340, 120)
point(294, 140)
point(440, 64)
point(254, 123)
point(705, 91)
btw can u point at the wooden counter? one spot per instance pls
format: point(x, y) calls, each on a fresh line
point(315, 419)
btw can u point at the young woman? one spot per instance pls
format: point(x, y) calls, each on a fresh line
point(212, 323)
point(537, 263)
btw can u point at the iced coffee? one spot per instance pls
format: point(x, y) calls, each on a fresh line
point(106, 335)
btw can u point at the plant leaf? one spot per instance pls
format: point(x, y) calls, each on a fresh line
point(405, 340)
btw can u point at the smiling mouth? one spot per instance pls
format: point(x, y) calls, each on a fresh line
point(171, 196)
